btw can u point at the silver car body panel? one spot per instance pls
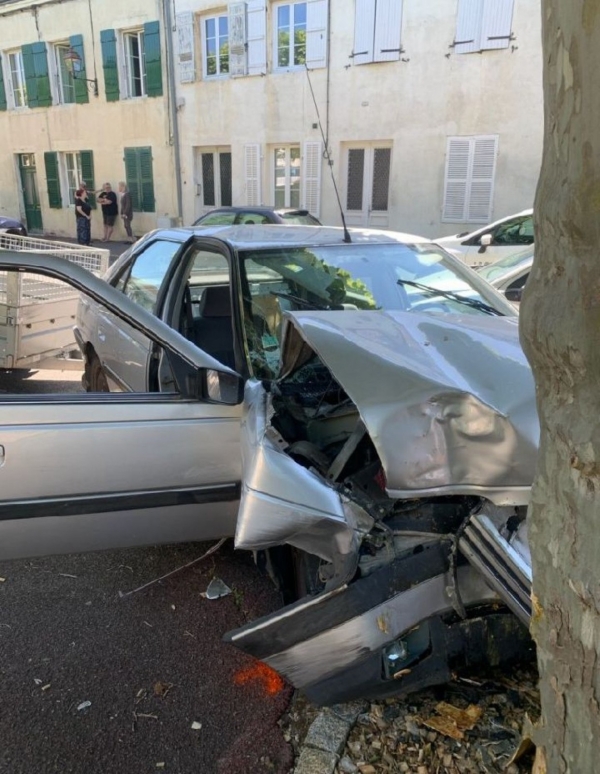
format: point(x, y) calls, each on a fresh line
point(283, 502)
point(448, 400)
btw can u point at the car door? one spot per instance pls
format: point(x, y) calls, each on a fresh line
point(87, 471)
point(122, 350)
point(507, 237)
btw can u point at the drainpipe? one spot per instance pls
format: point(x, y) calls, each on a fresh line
point(172, 105)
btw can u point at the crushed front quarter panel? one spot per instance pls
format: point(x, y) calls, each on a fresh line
point(448, 400)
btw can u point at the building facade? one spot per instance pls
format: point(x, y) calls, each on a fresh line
point(419, 116)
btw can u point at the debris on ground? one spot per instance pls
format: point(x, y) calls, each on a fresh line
point(453, 721)
point(216, 589)
point(84, 705)
point(472, 725)
point(196, 726)
point(211, 550)
point(162, 689)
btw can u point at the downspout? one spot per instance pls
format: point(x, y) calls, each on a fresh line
point(328, 65)
point(172, 106)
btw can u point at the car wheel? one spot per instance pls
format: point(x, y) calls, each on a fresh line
point(95, 377)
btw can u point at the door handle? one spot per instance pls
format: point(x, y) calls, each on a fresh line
point(2, 455)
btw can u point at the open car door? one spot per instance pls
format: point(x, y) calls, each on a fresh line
point(91, 471)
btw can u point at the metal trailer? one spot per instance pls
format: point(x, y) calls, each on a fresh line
point(37, 314)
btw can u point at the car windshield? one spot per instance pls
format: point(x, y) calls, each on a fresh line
point(299, 219)
point(356, 276)
point(496, 270)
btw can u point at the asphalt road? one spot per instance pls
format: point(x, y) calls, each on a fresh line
point(93, 682)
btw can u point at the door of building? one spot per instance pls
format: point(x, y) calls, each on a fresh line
point(29, 187)
point(212, 176)
point(368, 184)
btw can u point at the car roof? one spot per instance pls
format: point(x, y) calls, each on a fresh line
point(254, 208)
point(256, 236)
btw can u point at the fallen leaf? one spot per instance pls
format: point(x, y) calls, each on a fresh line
point(453, 721)
point(162, 689)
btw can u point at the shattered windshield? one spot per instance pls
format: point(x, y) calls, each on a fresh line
point(356, 276)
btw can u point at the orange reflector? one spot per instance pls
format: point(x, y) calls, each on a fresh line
point(270, 680)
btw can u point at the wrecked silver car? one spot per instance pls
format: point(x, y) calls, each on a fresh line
point(388, 437)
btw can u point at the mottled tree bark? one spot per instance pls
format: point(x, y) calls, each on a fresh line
point(560, 329)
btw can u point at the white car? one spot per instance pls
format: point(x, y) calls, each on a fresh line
point(510, 274)
point(488, 244)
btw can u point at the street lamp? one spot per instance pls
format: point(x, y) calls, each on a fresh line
point(72, 61)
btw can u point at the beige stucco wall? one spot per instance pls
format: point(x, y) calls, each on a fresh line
point(415, 104)
point(105, 128)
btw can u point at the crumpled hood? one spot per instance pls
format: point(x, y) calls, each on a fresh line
point(449, 401)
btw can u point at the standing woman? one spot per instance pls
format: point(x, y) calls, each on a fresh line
point(83, 213)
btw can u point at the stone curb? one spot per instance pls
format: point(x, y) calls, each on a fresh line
point(326, 738)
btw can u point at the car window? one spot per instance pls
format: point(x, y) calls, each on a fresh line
point(350, 277)
point(299, 220)
point(217, 219)
point(518, 231)
point(248, 218)
point(494, 271)
point(147, 273)
point(520, 282)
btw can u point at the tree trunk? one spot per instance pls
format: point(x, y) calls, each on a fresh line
point(560, 329)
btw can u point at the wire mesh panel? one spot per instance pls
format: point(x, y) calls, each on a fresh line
point(34, 290)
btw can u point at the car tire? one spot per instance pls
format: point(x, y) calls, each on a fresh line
point(95, 377)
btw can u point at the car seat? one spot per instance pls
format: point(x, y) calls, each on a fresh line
point(212, 330)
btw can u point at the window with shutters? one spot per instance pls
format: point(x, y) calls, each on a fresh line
point(469, 179)
point(377, 31)
point(14, 78)
point(140, 179)
point(72, 175)
point(483, 25)
point(63, 82)
point(290, 35)
point(215, 46)
point(286, 177)
point(134, 63)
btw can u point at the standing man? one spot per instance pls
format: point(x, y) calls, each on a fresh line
point(110, 209)
point(126, 210)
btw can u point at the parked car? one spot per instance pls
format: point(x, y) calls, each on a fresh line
point(12, 226)
point(509, 275)
point(370, 436)
point(488, 244)
point(235, 216)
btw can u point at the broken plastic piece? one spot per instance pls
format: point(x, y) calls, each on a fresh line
point(216, 589)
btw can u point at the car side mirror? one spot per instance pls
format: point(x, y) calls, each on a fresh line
point(484, 242)
point(514, 295)
point(222, 387)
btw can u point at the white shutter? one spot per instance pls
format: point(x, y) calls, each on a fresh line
point(311, 176)
point(256, 25)
point(316, 33)
point(388, 26)
point(468, 26)
point(364, 31)
point(496, 25)
point(237, 39)
point(252, 168)
point(185, 46)
point(8, 86)
point(456, 179)
point(483, 168)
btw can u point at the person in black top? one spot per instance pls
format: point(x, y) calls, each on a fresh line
point(110, 209)
point(83, 214)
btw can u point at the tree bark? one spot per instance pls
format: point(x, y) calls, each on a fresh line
point(560, 330)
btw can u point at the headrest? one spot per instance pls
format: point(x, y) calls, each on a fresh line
point(215, 301)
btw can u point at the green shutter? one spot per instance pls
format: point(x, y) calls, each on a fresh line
point(52, 180)
point(108, 40)
point(87, 170)
point(81, 91)
point(146, 179)
point(30, 79)
point(132, 177)
point(154, 87)
point(40, 65)
point(3, 104)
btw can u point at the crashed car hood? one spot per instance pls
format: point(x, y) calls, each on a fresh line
point(448, 400)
